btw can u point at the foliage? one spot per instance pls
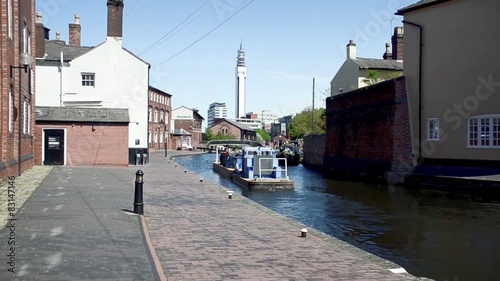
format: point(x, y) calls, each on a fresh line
point(209, 135)
point(373, 78)
point(301, 124)
point(264, 134)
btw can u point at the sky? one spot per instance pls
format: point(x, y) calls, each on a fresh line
point(195, 44)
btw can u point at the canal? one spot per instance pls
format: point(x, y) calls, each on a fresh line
point(437, 238)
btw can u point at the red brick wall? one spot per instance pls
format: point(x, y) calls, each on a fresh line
point(367, 129)
point(155, 126)
point(9, 56)
point(193, 127)
point(106, 145)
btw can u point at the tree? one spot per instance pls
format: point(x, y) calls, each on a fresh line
point(209, 135)
point(264, 135)
point(373, 78)
point(301, 124)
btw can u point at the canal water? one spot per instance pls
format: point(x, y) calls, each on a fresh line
point(437, 238)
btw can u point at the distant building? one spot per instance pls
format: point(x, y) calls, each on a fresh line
point(266, 118)
point(233, 128)
point(241, 82)
point(216, 110)
point(159, 117)
point(355, 71)
point(187, 127)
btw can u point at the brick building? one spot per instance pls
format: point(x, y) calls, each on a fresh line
point(160, 116)
point(92, 102)
point(187, 128)
point(235, 129)
point(16, 86)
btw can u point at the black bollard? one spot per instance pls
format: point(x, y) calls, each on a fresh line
point(138, 203)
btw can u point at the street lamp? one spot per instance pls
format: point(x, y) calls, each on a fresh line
point(162, 126)
point(25, 60)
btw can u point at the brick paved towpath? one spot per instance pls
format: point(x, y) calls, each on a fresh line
point(199, 234)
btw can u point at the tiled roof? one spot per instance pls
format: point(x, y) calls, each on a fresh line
point(378, 64)
point(236, 124)
point(53, 50)
point(419, 5)
point(181, 132)
point(73, 114)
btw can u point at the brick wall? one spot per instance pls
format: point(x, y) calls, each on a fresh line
point(10, 49)
point(368, 130)
point(193, 127)
point(314, 151)
point(106, 145)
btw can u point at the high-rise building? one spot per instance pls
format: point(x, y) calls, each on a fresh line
point(241, 81)
point(216, 110)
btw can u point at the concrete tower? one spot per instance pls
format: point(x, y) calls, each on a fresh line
point(241, 83)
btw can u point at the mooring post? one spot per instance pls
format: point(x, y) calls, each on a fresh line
point(138, 203)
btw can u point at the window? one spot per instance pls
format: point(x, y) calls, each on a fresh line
point(484, 131)
point(88, 79)
point(161, 137)
point(433, 129)
point(149, 136)
point(150, 114)
point(156, 116)
point(11, 112)
point(10, 19)
point(29, 119)
point(161, 116)
point(25, 118)
point(156, 137)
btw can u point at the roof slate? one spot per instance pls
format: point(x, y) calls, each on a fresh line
point(238, 125)
point(378, 64)
point(72, 114)
point(53, 50)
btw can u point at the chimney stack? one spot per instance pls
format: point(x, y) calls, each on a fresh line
point(351, 50)
point(75, 31)
point(58, 38)
point(397, 43)
point(41, 33)
point(387, 54)
point(115, 18)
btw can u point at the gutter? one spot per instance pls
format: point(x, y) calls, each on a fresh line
point(420, 158)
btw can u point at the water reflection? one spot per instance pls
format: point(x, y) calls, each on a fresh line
point(436, 238)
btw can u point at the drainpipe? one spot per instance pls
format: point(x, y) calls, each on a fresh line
point(420, 158)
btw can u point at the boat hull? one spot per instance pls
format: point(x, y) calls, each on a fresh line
point(255, 183)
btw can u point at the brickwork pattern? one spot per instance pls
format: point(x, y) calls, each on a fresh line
point(10, 49)
point(105, 145)
point(314, 150)
point(199, 234)
point(75, 31)
point(115, 19)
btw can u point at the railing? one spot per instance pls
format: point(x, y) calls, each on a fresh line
point(273, 169)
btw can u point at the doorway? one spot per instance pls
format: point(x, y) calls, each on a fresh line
point(54, 147)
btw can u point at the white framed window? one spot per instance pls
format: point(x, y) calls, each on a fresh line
point(88, 79)
point(484, 131)
point(161, 116)
point(29, 119)
point(156, 116)
point(155, 140)
point(432, 129)
point(10, 19)
point(25, 118)
point(149, 136)
point(11, 112)
point(150, 114)
point(161, 137)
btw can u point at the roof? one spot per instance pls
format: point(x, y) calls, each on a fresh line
point(72, 114)
point(378, 64)
point(159, 91)
point(181, 132)
point(419, 5)
point(53, 50)
point(236, 124)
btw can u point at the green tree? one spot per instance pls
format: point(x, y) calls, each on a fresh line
point(209, 135)
point(221, 136)
point(264, 135)
point(373, 78)
point(301, 124)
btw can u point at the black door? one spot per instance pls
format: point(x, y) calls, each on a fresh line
point(54, 147)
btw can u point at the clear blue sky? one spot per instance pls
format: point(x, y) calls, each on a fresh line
point(287, 44)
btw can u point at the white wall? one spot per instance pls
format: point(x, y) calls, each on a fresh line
point(346, 78)
point(121, 81)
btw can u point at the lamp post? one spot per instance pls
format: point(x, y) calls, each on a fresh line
point(165, 138)
point(25, 60)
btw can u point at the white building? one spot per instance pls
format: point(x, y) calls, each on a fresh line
point(216, 110)
point(106, 76)
point(241, 82)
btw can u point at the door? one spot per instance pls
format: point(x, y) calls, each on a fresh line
point(54, 147)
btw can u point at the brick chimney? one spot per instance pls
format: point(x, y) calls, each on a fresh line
point(387, 54)
point(58, 38)
point(397, 43)
point(115, 18)
point(75, 31)
point(351, 50)
point(41, 33)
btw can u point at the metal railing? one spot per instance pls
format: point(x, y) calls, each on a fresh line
point(273, 169)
